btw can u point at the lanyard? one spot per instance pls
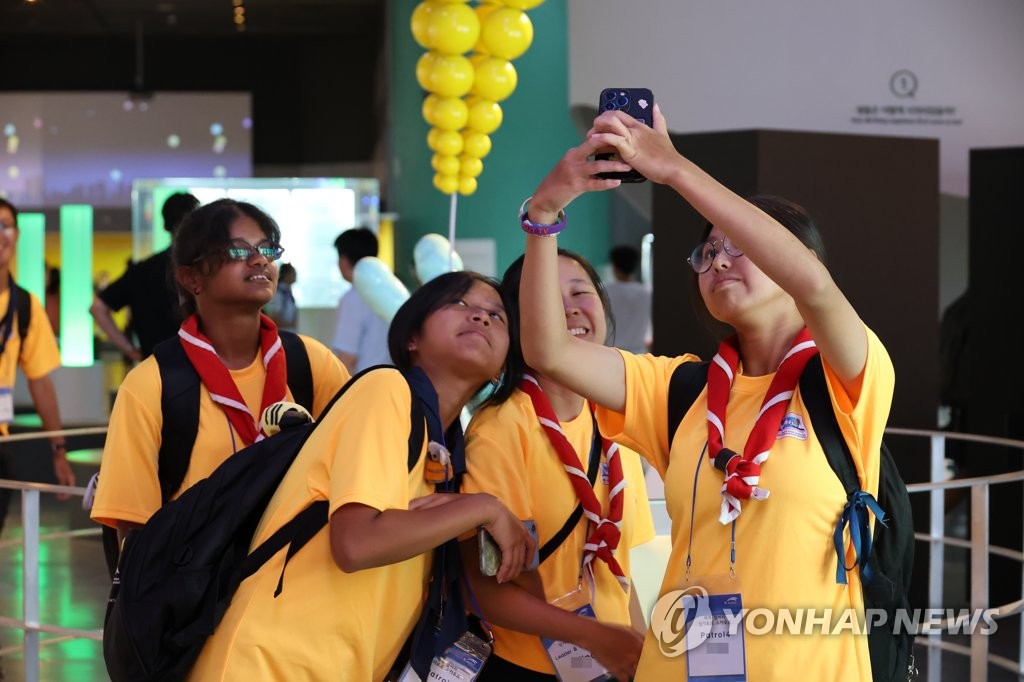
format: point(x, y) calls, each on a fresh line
point(693, 510)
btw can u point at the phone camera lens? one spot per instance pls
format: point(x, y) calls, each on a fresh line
point(622, 102)
point(609, 106)
point(609, 95)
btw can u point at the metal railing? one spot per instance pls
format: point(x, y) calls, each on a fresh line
point(978, 544)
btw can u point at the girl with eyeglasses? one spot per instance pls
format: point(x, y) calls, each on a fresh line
point(753, 500)
point(224, 256)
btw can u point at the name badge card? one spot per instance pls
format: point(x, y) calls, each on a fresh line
point(574, 663)
point(6, 405)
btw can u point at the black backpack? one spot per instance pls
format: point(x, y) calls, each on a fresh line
point(178, 573)
point(179, 406)
point(886, 579)
point(22, 300)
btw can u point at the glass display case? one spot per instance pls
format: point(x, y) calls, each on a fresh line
point(311, 213)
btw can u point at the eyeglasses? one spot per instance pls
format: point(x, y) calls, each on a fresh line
point(241, 250)
point(704, 254)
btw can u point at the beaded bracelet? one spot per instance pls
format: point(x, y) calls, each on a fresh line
point(540, 230)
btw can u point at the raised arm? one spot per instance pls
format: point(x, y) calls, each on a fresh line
point(834, 324)
point(590, 369)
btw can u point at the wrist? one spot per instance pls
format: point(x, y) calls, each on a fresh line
point(60, 448)
point(539, 221)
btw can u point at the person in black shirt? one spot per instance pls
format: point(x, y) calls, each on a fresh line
point(147, 289)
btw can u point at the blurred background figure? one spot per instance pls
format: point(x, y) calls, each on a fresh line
point(147, 290)
point(282, 309)
point(630, 300)
point(360, 336)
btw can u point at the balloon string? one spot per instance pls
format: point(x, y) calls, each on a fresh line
point(451, 231)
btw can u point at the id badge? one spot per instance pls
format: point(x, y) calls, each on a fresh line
point(6, 405)
point(461, 662)
point(704, 620)
point(574, 663)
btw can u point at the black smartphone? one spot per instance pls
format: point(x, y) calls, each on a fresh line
point(638, 103)
point(490, 554)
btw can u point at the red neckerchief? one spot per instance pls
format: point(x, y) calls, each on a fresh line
point(742, 472)
point(217, 379)
point(603, 542)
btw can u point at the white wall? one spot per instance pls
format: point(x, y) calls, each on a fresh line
point(807, 65)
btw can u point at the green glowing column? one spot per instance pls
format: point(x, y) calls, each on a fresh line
point(31, 273)
point(76, 331)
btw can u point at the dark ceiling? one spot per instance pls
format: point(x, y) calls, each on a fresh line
point(311, 66)
point(188, 17)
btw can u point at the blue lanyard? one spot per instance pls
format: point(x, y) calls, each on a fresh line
point(693, 511)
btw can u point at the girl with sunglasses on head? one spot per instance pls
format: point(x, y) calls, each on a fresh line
point(224, 256)
point(534, 448)
point(759, 269)
point(352, 595)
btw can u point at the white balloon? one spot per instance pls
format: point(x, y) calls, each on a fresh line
point(430, 256)
point(383, 292)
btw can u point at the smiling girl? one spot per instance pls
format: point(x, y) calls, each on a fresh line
point(519, 450)
point(225, 257)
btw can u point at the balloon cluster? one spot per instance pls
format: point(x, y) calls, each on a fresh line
point(384, 293)
point(464, 91)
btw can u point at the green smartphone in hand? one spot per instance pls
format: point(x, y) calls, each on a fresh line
point(490, 553)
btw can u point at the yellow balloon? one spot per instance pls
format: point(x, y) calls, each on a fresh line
point(448, 142)
point(476, 144)
point(495, 79)
point(433, 138)
point(451, 75)
point(482, 12)
point(506, 32)
point(484, 116)
point(424, 67)
point(520, 4)
point(467, 186)
point(429, 109)
point(445, 165)
point(453, 28)
point(470, 166)
point(450, 113)
point(420, 22)
point(448, 184)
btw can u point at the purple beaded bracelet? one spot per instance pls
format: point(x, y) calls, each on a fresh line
point(540, 230)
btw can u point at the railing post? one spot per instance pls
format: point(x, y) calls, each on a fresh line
point(936, 550)
point(979, 576)
point(30, 582)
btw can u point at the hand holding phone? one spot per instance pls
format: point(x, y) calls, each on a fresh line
point(490, 553)
point(638, 103)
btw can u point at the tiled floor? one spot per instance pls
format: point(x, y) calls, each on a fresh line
point(74, 587)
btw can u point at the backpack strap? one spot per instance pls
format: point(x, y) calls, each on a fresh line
point(179, 406)
point(686, 383)
point(570, 523)
point(814, 390)
point(179, 403)
point(23, 310)
point(300, 374)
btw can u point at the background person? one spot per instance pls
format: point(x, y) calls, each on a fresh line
point(360, 336)
point(147, 289)
point(630, 301)
point(37, 356)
